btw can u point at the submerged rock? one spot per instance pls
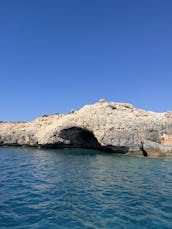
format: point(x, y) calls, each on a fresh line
point(115, 127)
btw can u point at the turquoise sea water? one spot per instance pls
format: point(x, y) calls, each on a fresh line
point(83, 189)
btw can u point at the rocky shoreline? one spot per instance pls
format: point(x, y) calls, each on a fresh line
point(107, 126)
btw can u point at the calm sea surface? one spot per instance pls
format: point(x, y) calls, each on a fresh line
point(83, 189)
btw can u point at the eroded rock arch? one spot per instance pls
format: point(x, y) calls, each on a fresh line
point(79, 137)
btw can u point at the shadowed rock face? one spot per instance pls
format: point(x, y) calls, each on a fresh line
point(78, 137)
point(114, 127)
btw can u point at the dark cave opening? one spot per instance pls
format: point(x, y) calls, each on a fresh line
point(79, 137)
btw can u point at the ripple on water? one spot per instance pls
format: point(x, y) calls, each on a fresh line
point(83, 189)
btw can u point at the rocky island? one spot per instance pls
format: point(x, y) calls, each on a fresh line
point(107, 126)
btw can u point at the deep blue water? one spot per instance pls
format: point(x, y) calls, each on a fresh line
point(83, 189)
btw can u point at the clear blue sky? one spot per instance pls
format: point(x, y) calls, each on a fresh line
point(61, 54)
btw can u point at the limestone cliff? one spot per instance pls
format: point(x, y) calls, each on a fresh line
point(114, 127)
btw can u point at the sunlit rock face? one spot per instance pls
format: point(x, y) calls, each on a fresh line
point(166, 139)
point(110, 126)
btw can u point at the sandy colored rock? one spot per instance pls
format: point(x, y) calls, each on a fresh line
point(140, 113)
point(169, 115)
point(166, 139)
